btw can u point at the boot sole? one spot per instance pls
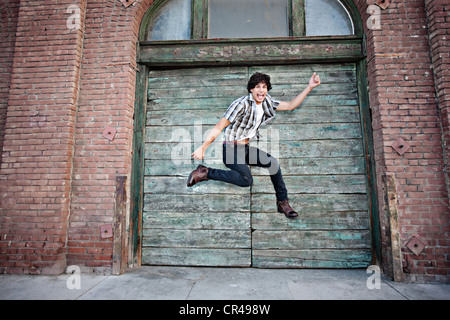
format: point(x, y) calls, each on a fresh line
point(288, 216)
point(190, 182)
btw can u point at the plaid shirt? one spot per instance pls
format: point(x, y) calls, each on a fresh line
point(241, 114)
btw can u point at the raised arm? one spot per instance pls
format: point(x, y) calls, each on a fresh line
point(199, 154)
point(297, 101)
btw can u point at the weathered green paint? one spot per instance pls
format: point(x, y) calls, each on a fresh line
point(197, 220)
point(317, 170)
point(297, 18)
point(199, 23)
point(137, 189)
point(332, 202)
point(197, 257)
point(208, 224)
point(369, 158)
point(311, 202)
point(312, 220)
point(251, 51)
point(310, 239)
point(303, 166)
point(316, 258)
point(320, 151)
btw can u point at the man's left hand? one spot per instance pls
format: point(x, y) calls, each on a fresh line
point(314, 81)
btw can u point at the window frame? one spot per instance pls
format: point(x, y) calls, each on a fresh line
point(200, 18)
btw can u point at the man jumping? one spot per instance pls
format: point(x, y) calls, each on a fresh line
point(241, 122)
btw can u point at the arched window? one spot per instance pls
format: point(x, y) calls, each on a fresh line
point(172, 21)
point(327, 18)
point(211, 19)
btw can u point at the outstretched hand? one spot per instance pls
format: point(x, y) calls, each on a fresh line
point(314, 81)
point(198, 154)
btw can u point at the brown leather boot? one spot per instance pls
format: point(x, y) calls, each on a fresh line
point(284, 207)
point(198, 175)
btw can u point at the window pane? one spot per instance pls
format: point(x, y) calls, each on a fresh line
point(172, 22)
point(248, 19)
point(327, 18)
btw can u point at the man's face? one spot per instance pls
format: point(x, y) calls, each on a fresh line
point(259, 92)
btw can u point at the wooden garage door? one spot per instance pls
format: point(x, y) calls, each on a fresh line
point(320, 148)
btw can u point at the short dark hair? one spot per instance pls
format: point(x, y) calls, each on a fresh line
point(256, 79)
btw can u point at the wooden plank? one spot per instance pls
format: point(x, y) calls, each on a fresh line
point(321, 258)
point(301, 73)
point(199, 19)
point(327, 184)
point(197, 92)
point(180, 153)
point(197, 220)
point(290, 132)
point(315, 166)
point(177, 186)
point(310, 239)
point(196, 257)
point(246, 51)
point(286, 149)
point(167, 118)
point(338, 184)
point(304, 115)
point(312, 202)
point(196, 238)
point(311, 101)
point(318, 131)
point(280, 90)
point(200, 91)
point(312, 220)
point(297, 21)
point(136, 201)
point(335, 114)
point(197, 203)
point(366, 123)
point(183, 105)
point(193, 77)
point(290, 166)
point(320, 149)
point(182, 169)
point(120, 250)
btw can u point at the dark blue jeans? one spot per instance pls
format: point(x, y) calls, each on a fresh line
point(238, 158)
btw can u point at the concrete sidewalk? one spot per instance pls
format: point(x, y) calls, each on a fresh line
point(184, 283)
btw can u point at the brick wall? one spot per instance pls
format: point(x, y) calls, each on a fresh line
point(35, 177)
point(106, 100)
point(438, 14)
point(8, 23)
point(402, 99)
point(57, 179)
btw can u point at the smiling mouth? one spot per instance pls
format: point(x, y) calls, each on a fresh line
point(260, 96)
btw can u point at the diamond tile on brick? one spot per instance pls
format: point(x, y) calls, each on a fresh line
point(383, 4)
point(415, 245)
point(127, 3)
point(106, 231)
point(401, 146)
point(109, 133)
